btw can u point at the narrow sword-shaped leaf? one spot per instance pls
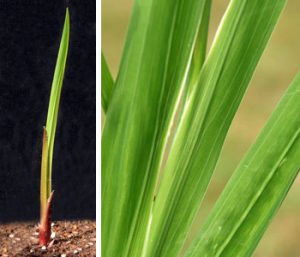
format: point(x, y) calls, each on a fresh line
point(55, 94)
point(207, 115)
point(106, 84)
point(154, 65)
point(258, 186)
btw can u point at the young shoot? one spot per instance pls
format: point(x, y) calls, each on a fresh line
point(46, 193)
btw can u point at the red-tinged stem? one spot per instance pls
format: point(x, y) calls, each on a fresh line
point(45, 223)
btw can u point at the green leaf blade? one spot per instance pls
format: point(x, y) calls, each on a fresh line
point(257, 187)
point(206, 118)
point(106, 84)
point(56, 92)
point(155, 62)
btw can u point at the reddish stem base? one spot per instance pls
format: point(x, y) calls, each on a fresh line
point(45, 224)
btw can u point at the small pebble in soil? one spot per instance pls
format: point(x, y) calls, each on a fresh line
point(11, 235)
point(63, 255)
point(44, 248)
point(52, 235)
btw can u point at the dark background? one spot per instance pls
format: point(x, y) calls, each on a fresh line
point(30, 33)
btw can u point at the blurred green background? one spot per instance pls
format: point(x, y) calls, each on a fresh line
point(278, 66)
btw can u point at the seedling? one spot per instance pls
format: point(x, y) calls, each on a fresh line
point(148, 204)
point(46, 193)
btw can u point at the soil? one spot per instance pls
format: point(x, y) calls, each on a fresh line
point(69, 238)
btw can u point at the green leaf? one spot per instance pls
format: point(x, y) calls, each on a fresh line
point(258, 186)
point(154, 66)
point(55, 94)
point(207, 115)
point(106, 84)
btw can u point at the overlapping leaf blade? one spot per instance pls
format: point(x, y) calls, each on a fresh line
point(206, 118)
point(106, 84)
point(55, 94)
point(258, 186)
point(157, 53)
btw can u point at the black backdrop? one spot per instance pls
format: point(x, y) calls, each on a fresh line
point(30, 33)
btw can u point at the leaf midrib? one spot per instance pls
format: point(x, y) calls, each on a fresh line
point(184, 175)
point(156, 135)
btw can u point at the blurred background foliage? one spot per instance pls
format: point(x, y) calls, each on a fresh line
point(278, 66)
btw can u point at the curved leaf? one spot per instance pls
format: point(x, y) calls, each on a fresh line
point(154, 66)
point(207, 115)
point(55, 94)
point(258, 186)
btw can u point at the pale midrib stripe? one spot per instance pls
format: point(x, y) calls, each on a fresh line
point(184, 175)
point(169, 126)
point(152, 152)
point(206, 106)
point(165, 139)
point(249, 44)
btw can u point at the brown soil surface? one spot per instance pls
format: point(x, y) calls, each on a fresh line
point(70, 238)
